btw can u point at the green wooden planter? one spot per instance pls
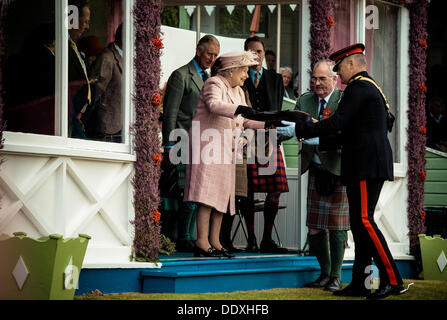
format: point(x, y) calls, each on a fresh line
point(40, 269)
point(434, 257)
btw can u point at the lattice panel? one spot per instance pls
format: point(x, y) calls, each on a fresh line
point(44, 195)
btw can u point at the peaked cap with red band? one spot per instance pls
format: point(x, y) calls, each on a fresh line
point(339, 55)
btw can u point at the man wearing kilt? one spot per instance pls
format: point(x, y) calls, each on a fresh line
point(327, 202)
point(265, 90)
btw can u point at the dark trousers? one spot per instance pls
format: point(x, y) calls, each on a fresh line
point(369, 241)
point(271, 205)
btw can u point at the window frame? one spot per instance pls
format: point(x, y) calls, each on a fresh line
point(60, 144)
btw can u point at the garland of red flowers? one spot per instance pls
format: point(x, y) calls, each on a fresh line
point(147, 240)
point(321, 22)
point(416, 122)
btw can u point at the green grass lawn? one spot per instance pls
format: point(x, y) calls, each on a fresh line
point(421, 290)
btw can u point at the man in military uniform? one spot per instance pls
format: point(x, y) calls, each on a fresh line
point(327, 203)
point(179, 106)
point(366, 163)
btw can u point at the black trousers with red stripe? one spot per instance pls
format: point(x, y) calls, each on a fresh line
point(368, 239)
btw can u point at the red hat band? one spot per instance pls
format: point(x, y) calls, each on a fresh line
point(348, 53)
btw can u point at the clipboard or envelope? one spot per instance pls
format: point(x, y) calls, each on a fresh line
point(287, 115)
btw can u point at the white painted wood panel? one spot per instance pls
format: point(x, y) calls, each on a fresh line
point(42, 195)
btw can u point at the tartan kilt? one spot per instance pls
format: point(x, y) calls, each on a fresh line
point(327, 212)
point(276, 182)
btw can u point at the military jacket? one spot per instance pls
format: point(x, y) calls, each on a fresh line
point(361, 118)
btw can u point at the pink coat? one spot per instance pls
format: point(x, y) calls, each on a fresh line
point(208, 183)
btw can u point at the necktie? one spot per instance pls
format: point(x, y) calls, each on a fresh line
point(257, 79)
point(81, 61)
point(204, 75)
point(322, 105)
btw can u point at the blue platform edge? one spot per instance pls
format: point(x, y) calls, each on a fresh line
point(216, 275)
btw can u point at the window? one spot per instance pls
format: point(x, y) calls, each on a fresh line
point(41, 53)
point(29, 67)
point(382, 53)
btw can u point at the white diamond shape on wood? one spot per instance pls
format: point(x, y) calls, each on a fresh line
point(20, 273)
point(442, 261)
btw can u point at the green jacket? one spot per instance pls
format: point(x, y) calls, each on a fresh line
point(331, 159)
point(180, 100)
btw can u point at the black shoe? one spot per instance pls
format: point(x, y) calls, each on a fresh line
point(211, 252)
point(269, 246)
point(321, 282)
point(225, 253)
point(252, 246)
point(385, 291)
point(333, 285)
point(352, 291)
point(229, 246)
point(184, 246)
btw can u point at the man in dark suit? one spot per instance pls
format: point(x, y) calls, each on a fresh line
point(366, 163)
point(266, 91)
point(79, 84)
point(179, 106)
point(108, 69)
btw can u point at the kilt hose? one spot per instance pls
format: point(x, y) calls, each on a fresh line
point(276, 182)
point(369, 240)
point(327, 212)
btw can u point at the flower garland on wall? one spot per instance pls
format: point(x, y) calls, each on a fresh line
point(321, 22)
point(416, 122)
point(147, 240)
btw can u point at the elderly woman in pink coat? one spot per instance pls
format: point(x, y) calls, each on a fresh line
point(210, 174)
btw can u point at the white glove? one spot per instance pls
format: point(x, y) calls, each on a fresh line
point(312, 141)
point(288, 131)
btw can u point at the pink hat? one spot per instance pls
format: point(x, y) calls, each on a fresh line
point(238, 59)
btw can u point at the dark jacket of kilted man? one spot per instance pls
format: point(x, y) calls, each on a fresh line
point(366, 163)
point(266, 95)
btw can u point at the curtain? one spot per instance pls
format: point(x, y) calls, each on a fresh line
point(343, 33)
point(382, 58)
point(115, 18)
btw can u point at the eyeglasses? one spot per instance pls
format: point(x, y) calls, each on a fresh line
point(321, 79)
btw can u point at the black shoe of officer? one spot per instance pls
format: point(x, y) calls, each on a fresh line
point(321, 282)
point(333, 285)
point(269, 246)
point(352, 291)
point(385, 291)
point(252, 246)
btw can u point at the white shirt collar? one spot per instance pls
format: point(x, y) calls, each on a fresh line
point(327, 97)
point(120, 51)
